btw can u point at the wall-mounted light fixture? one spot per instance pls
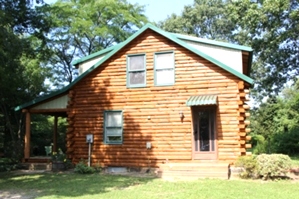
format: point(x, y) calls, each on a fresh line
point(181, 114)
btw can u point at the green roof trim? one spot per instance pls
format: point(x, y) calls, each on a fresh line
point(202, 100)
point(94, 55)
point(113, 50)
point(212, 42)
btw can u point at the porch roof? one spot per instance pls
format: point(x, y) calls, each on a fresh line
point(201, 100)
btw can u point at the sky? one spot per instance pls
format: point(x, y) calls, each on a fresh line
point(157, 10)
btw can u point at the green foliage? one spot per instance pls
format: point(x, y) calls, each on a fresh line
point(22, 76)
point(42, 133)
point(273, 165)
point(59, 156)
point(81, 27)
point(82, 168)
point(277, 120)
point(249, 164)
point(295, 161)
point(259, 144)
point(269, 27)
point(286, 142)
point(7, 165)
point(205, 18)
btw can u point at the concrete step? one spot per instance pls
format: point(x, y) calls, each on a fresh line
point(192, 174)
point(195, 166)
point(37, 166)
point(194, 170)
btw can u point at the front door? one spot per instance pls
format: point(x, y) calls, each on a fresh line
point(204, 133)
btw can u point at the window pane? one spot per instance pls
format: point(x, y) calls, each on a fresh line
point(164, 60)
point(113, 119)
point(113, 131)
point(113, 138)
point(165, 77)
point(136, 62)
point(137, 78)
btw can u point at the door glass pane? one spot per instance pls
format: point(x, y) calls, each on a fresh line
point(196, 138)
point(204, 131)
point(136, 62)
point(212, 117)
point(137, 78)
point(113, 119)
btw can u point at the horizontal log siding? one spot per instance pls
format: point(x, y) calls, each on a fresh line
point(151, 114)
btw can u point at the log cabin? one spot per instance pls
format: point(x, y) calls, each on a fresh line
point(157, 100)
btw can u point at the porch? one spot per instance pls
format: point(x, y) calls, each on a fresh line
point(56, 107)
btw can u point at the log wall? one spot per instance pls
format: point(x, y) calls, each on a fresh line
point(151, 114)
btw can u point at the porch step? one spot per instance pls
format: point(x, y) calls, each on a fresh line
point(194, 170)
point(37, 166)
point(38, 160)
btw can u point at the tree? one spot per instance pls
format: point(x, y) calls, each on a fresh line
point(270, 27)
point(277, 120)
point(82, 27)
point(21, 75)
point(205, 18)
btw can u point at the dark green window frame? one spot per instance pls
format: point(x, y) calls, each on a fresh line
point(131, 71)
point(113, 133)
point(167, 68)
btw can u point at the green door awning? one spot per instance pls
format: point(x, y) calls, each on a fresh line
point(202, 100)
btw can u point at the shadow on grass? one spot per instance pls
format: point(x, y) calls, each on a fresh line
point(68, 184)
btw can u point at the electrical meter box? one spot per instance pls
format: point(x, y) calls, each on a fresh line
point(148, 145)
point(89, 138)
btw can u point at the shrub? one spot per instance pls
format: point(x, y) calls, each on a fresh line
point(82, 168)
point(274, 165)
point(248, 163)
point(8, 165)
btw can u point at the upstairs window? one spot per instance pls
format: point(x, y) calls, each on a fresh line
point(164, 69)
point(136, 74)
point(113, 124)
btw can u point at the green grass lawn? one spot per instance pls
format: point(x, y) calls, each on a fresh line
point(70, 185)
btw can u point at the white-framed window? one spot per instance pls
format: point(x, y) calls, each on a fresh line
point(164, 69)
point(113, 127)
point(136, 70)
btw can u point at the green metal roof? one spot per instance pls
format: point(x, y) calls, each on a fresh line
point(212, 42)
point(113, 50)
point(201, 100)
point(94, 55)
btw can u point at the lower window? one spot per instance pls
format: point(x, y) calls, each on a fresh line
point(113, 127)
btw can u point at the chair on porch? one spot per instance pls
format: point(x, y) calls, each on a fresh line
point(48, 150)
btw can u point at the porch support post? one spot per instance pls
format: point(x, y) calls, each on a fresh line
point(55, 134)
point(27, 136)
